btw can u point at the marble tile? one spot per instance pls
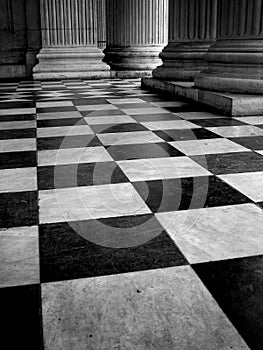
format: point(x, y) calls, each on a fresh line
point(219, 233)
point(197, 115)
point(60, 122)
point(17, 145)
point(64, 131)
point(17, 134)
point(117, 128)
point(185, 134)
point(20, 311)
point(155, 117)
point(73, 175)
point(18, 180)
point(96, 107)
point(19, 256)
point(168, 104)
point(236, 285)
point(170, 124)
point(251, 142)
point(117, 101)
point(255, 120)
point(58, 115)
point(73, 156)
point(188, 193)
point(18, 209)
point(92, 202)
point(159, 309)
point(230, 163)
point(46, 143)
point(17, 111)
point(209, 146)
point(136, 111)
point(250, 184)
point(110, 120)
point(161, 168)
point(54, 104)
point(260, 152)
point(143, 151)
point(29, 124)
point(217, 122)
point(126, 138)
point(237, 131)
point(102, 113)
point(11, 160)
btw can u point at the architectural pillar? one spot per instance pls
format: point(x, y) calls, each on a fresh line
point(192, 29)
point(235, 61)
point(101, 15)
point(69, 41)
point(137, 30)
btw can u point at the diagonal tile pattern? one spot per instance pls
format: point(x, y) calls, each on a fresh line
point(128, 220)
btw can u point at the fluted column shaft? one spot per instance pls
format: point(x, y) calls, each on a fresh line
point(192, 29)
point(137, 30)
point(69, 39)
point(235, 61)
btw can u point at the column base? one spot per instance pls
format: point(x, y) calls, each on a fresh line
point(226, 103)
point(235, 66)
point(182, 61)
point(71, 62)
point(141, 59)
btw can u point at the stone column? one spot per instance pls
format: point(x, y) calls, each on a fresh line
point(235, 61)
point(192, 29)
point(101, 15)
point(137, 30)
point(69, 41)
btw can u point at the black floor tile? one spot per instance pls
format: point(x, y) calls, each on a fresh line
point(102, 113)
point(237, 287)
point(230, 163)
point(10, 160)
point(188, 193)
point(17, 134)
point(112, 128)
point(72, 175)
point(252, 142)
point(185, 134)
point(47, 143)
point(215, 122)
point(65, 254)
point(60, 122)
point(56, 109)
point(143, 151)
point(134, 105)
point(20, 104)
point(90, 101)
point(18, 209)
point(155, 117)
point(17, 117)
point(20, 318)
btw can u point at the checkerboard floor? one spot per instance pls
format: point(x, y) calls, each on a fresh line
point(129, 220)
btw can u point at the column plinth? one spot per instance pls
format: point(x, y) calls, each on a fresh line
point(192, 29)
point(69, 40)
point(235, 59)
point(136, 33)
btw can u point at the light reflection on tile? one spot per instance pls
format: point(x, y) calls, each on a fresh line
point(126, 138)
point(96, 107)
point(64, 131)
point(170, 124)
point(58, 115)
point(110, 120)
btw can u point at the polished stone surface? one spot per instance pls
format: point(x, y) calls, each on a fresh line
point(160, 309)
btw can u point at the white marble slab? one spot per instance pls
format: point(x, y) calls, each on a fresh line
point(64, 131)
point(15, 111)
point(126, 138)
point(89, 107)
point(170, 124)
point(161, 168)
point(90, 202)
point(111, 119)
point(54, 104)
point(254, 120)
point(218, 233)
point(58, 115)
point(25, 124)
point(119, 101)
point(18, 180)
point(17, 145)
point(73, 156)
point(136, 111)
point(250, 184)
point(237, 131)
point(208, 146)
point(19, 256)
point(148, 310)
